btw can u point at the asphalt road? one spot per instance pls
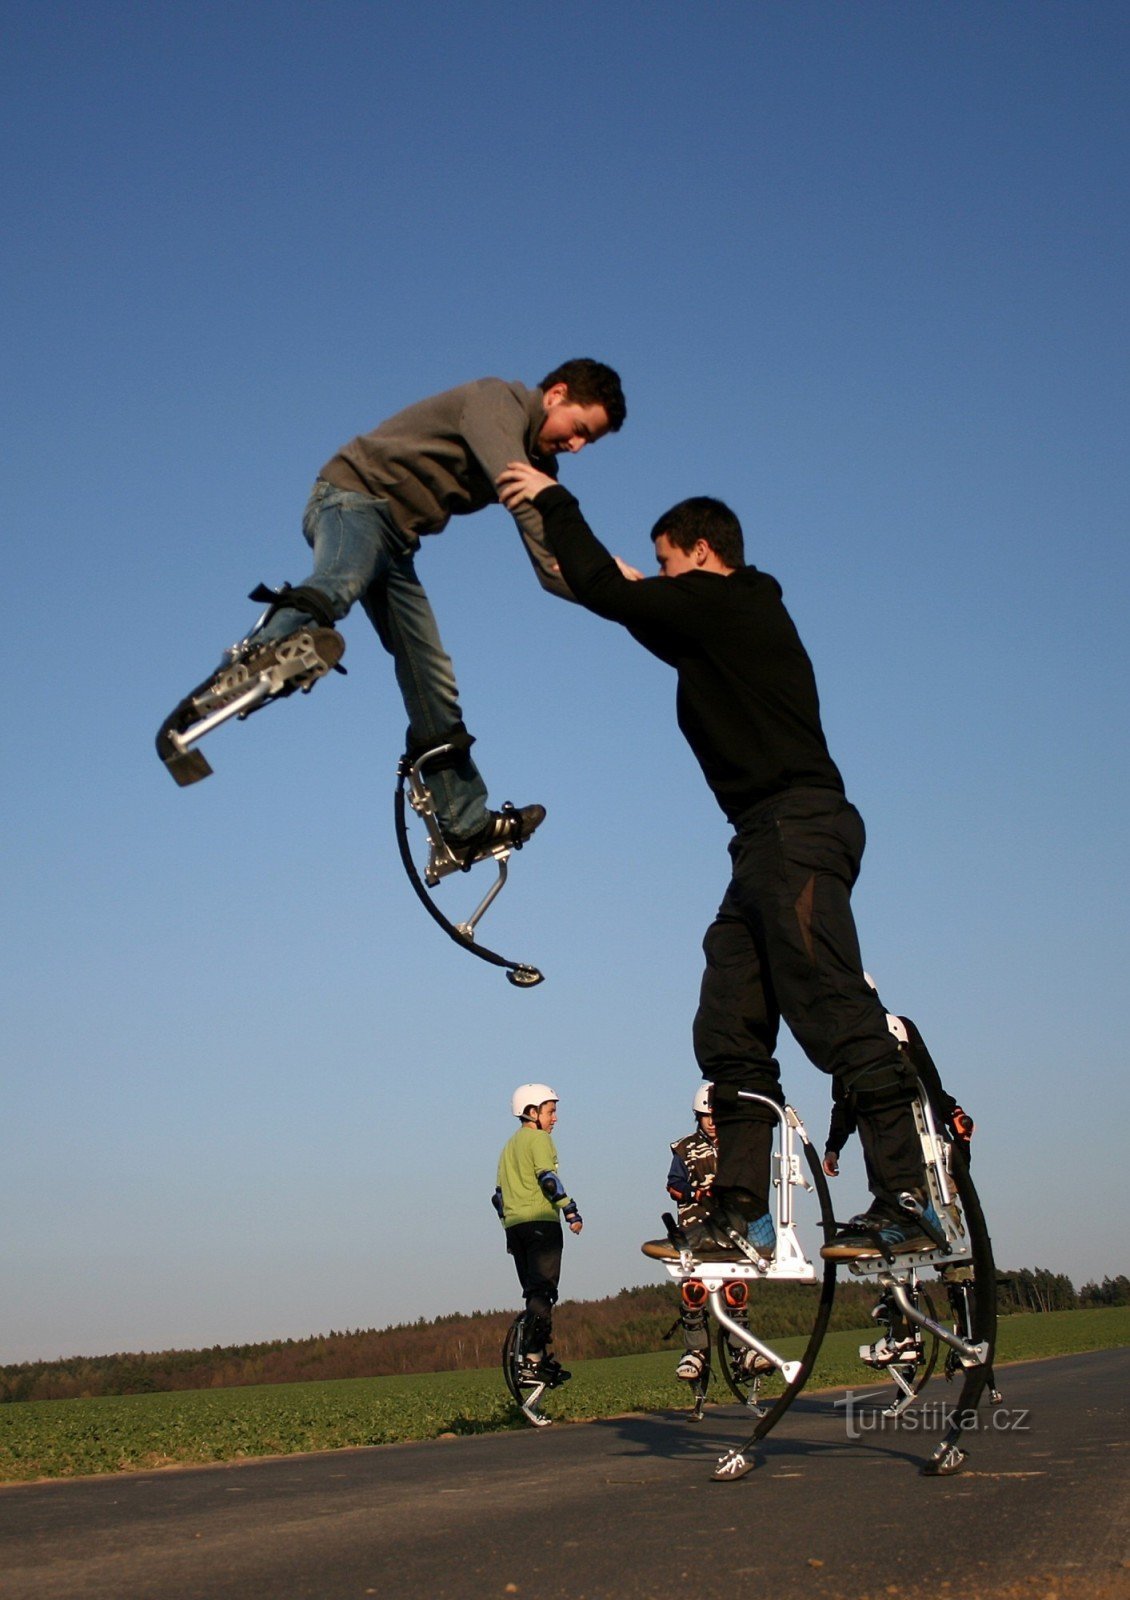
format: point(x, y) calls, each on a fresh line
point(621, 1510)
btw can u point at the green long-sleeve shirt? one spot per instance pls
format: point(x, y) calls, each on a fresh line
point(529, 1152)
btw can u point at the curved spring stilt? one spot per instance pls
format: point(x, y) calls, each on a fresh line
point(441, 862)
point(905, 1351)
point(525, 1391)
point(736, 1463)
point(740, 1291)
point(742, 1378)
point(973, 1305)
point(964, 1264)
point(700, 1386)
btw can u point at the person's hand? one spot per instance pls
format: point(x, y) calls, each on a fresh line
point(633, 574)
point(521, 480)
point(575, 1227)
point(831, 1163)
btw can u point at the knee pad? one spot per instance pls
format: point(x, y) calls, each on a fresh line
point(695, 1296)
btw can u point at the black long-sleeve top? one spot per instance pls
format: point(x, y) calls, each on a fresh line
point(746, 701)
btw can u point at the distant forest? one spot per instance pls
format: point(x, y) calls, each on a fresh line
point(632, 1322)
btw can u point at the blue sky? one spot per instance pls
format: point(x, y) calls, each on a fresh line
point(862, 269)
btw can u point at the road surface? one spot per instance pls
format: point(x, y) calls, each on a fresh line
point(621, 1510)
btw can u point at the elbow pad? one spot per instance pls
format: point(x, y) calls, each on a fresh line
point(496, 1202)
point(552, 1187)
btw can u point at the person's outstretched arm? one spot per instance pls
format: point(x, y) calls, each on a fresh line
point(596, 577)
point(493, 425)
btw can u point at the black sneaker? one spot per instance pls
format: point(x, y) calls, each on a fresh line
point(704, 1243)
point(553, 1373)
point(876, 1233)
point(506, 829)
point(713, 1244)
point(712, 1238)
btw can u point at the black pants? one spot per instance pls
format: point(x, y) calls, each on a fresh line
point(784, 946)
point(536, 1248)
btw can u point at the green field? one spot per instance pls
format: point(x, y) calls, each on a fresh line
point(65, 1438)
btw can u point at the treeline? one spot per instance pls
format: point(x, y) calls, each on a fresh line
point(1037, 1289)
point(633, 1322)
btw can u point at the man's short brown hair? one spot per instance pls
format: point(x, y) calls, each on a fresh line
point(591, 383)
point(703, 518)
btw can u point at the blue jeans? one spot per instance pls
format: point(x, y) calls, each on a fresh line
point(361, 554)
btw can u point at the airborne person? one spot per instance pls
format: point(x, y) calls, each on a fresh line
point(370, 507)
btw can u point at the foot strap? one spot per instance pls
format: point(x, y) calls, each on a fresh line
point(311, 602)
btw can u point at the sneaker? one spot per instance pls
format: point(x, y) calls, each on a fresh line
point(712, 1238)
point(762, 1233)
point(714, 1244)
point(691, 1367)
point(752, 1364)
point(660, 1249)
point(506, 829)
point(704, 1243)
point(553, 1374)
point(891, 1352)
point(876, 1233)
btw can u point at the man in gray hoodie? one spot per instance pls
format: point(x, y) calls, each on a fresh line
point(371, 505)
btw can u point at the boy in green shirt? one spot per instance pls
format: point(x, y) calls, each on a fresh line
point(530, 1198)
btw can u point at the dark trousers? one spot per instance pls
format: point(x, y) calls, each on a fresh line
point(784, 946)
point(536, 1248)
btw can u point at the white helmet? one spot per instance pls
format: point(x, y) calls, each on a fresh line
point(531, 1094)
point(701, 1102)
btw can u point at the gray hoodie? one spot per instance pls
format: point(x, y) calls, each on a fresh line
point(439, 459)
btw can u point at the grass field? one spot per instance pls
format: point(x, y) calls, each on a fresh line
point(67, 1438)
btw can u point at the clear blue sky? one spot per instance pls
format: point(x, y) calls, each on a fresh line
point(863, 269)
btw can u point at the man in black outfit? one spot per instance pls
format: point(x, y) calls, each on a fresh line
point(783, 944)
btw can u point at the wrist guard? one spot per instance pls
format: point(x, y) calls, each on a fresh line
point(962, 1124)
